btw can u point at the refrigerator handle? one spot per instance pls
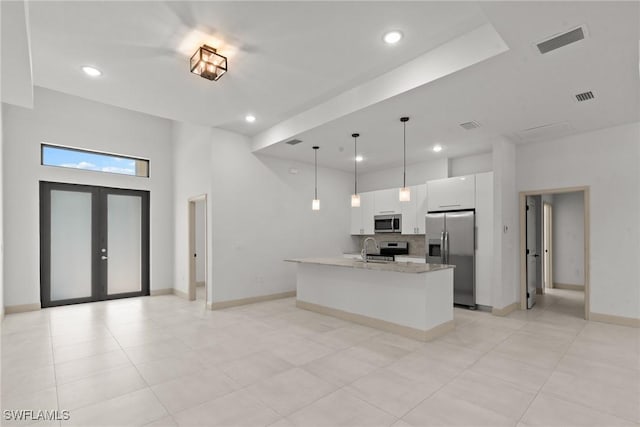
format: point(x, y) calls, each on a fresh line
point(446, 245)
point(442, 261)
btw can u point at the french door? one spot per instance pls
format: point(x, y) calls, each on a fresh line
point(94, 243)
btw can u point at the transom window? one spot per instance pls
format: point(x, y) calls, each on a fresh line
point(73, 158)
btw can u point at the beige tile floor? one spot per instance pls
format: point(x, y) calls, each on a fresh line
point(164, 361)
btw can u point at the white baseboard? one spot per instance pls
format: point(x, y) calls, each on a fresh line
point(251, 300)
point(505, 310)
point(156, 292)
point(384, 325)
point(568, 286)
point(11, 309)
point(615, 320)
point(180, 293)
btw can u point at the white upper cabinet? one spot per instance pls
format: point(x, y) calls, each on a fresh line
point(451, 193)
point(387, 202)
point(421, 207)
point(414, 211)
point(362, 217)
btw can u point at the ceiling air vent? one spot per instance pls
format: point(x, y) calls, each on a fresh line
point(561, 40)
point(470, 125)
point(584, 96)
point(294, 142)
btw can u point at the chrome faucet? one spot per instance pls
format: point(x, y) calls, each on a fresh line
point(363, 253)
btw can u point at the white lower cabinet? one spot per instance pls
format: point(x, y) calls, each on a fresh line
point(362, 217)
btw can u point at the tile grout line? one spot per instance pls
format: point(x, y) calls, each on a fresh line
point(461, 372)
point(53, 358)
point(552, 372)
point(143, 379)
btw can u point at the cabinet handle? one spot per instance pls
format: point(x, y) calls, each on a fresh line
point(448, 206)
point(382, 212)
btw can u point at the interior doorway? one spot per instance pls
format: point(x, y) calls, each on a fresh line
point(554, 249)
point(198, 248)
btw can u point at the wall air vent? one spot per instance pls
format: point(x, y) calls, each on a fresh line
point(584, 96)
point(561, 40)
point(294, 142)
point(470, 125)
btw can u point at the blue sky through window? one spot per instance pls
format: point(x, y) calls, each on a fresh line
point(70, 158)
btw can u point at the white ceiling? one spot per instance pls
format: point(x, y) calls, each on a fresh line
point(284, 57)
point(506, 94)
point(287, 57)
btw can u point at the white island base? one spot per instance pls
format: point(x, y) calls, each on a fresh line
point(408, 300)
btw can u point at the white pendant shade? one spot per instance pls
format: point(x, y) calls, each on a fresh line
point(355, 200)
point(315, 205)
point(405, 194)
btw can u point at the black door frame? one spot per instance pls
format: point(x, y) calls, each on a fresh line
point(98, 241)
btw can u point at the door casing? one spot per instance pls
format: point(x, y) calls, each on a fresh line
point(98, 231)
point(523, 257)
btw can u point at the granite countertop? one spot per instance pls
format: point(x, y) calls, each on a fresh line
point(398, 267)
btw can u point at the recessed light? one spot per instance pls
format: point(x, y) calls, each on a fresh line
point(91, 71)
point(437, 148)
point(392, 37)
point(359, 158)
point(250, 118)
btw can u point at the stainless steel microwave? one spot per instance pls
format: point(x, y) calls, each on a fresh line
point(387, 223)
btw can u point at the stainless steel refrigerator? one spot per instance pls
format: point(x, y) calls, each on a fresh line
point(450, 239)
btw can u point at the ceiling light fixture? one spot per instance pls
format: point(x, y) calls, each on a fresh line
point(437, 148)
point(315, 204)
point(392, 37)
point(250, 118)
point(359, 158)
point(91, 71)
point(405, 192)
point(355, 197)
point(207, 63)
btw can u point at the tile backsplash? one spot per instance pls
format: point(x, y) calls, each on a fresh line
point(416, 242)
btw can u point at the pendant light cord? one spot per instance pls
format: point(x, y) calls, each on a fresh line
point(355, 164)
point(404, 167)
point(315, 152)
point(404, 121)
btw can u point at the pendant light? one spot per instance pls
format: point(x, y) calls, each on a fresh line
point(405, 192)
point(355, 197)
point(315, 204)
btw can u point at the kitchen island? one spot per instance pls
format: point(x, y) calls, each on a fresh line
point(410, 299)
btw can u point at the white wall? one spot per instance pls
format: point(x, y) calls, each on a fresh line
point(259, 214)
point(262, 215)
point(568, 238)
point(192, 169)
point(608, 162)
point(201, 240)
point(392, 178)
point(469, 165)
point(506, 289)
point(1, 215)
point(67, 120)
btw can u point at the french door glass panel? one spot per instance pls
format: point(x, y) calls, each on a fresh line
point(71, 249)
point(124, 242)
